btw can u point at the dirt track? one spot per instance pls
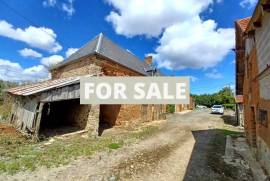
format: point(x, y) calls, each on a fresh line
point(179, 151)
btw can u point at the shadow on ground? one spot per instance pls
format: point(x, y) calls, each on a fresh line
point(206, 162)
point(230, 119)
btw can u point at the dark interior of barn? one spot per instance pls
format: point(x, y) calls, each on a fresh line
point(62, 117)
point(108, 117)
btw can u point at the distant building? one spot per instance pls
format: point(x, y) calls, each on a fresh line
point(240, 28)
point(55, 104)
point(185, 107)
point(253, 78)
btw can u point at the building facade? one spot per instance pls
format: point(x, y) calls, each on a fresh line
point(254, 83)
point(55, 103)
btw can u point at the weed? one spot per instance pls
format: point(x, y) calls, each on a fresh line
point(21, 155)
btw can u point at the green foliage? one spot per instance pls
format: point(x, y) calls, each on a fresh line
point(170, 108)
point(223, 97)
point(4, 85)
point(5, 102)
point(115, 146)
point(229, 106)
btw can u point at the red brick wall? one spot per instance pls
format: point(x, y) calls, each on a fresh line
point(251, 97)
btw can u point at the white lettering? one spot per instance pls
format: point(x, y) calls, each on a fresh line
point(89, 89)
point(104, 91)
point(153, 91)
point(166, 94)
point(119, 91)
point(140, 94)
point(181, 91)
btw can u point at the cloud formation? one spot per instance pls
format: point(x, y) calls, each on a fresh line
point(70, 51)
point(10, 71)
point(186, 41)
point(214, 74)
point(37, 37)
point(27, 52)
point(66, 6)
point(52, 60)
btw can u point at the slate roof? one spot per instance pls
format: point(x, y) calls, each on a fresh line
point(101, 45)
point(243, 23)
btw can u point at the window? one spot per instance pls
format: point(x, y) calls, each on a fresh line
point(263, 117)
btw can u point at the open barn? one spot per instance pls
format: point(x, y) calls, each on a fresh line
point(53, 107)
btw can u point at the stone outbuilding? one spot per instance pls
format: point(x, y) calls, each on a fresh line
point(55, 105)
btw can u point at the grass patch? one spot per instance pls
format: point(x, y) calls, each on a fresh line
point(114, 146)
point(227, 132)
point(18, 154)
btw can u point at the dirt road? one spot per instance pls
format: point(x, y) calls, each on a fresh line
point(187, 147)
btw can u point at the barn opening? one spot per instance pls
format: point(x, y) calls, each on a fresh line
point(63, 117)
point(108, 117)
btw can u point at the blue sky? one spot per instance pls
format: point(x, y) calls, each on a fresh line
point(191, 38)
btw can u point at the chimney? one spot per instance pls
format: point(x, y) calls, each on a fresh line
point(148, 60)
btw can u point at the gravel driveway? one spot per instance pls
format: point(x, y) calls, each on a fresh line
point(181, 150)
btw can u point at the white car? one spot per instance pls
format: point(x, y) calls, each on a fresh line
point(217, 109)
point(201, 107)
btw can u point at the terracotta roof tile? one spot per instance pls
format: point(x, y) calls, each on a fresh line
point(243, 23)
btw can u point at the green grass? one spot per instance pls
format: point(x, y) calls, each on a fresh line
point(115, 146)
point(21, 155)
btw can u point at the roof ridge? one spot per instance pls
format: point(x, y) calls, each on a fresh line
point(98, 45)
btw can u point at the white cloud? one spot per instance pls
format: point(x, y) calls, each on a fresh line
point(52, 60)
point(248, 3)
point(214, 74)
point(186, 40)
point(70, 51)
point(27, 52)
point(10, 71)
point(150, 17)
point(193, 44)
point(68, 7)
point(49, 3)
point(193, 78)
point(37, 37)
point(233, 62)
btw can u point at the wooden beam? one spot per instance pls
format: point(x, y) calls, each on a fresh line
point(37, 121)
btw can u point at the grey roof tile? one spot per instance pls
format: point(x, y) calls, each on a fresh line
point(103, 46)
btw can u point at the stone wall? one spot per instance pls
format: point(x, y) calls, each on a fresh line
point(263, 152)
point(91, 65)
point(112, 114)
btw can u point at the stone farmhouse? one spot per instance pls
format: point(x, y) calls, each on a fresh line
point(55, 104)
point(253, 79)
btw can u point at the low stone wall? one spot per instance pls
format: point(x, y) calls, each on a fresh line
point(263, 152)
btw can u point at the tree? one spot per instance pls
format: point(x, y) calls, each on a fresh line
point(223, 97)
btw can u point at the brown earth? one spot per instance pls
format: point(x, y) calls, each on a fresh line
point(187, 147)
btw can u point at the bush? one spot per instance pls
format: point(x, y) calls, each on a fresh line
point(5, 109)
point(229, 106)
point(170, 108)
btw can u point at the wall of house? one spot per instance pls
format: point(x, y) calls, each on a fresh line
point(90, 65)
point(263, 52)
point(114, 114)
point(251, 96)
point(256, 91)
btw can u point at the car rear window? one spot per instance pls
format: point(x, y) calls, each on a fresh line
point(217, 107)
